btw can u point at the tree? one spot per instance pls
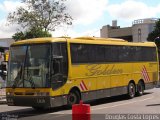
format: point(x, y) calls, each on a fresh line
point(38, 17)
point(18, 36)
point(155, 33)
point(32, 33)
point(154, 36)
point(45, 14)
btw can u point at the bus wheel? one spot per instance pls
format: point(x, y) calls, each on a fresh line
point(140, 88)
point(131, 90)
point(73, 98)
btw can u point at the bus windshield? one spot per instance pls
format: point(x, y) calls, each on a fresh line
point(29, 66)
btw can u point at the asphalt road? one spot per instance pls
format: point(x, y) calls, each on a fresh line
point(146, 107)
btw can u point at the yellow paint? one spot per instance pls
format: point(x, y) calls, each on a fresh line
point(97, 76)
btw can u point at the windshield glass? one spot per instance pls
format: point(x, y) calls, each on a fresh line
point(29, 66)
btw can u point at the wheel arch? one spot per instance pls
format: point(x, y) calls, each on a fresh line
point(75, 88)
point(141, 80)
point(132, 81)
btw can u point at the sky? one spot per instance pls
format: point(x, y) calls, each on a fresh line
point(89, 16)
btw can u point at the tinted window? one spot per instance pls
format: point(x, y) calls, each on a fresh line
point(123, 53)
point(85, 53)
point(79, 53)
point(60, 49)
point(59, 65)
point(92, 49)
point(100, 53)
point(114, 53)
point(108, 54)
point(148, 54)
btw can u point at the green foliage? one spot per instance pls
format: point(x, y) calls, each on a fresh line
point(46, 14)
point(155, 33)
point(32, 33)
point(38, 17)
point(36, 33)
point(18, 36)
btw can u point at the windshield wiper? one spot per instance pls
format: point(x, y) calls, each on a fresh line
point(31, 82)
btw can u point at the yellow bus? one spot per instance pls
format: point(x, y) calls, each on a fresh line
point(50, 72)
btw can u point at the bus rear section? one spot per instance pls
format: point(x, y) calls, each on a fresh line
point(110, 68)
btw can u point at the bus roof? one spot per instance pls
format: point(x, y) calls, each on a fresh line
point(110, 41)
point(40, 40)
point(85, 40)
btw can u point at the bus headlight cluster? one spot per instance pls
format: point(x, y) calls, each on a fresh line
point(10, 93)
point(42, 94)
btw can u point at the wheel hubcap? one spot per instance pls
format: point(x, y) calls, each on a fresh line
point(132, 90)
point(72, 99)
point(140, 88)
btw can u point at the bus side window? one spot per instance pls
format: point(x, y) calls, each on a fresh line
point(56, 67)
point(59, 70)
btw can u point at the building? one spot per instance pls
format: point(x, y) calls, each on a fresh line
point(138, 32)
point(6, 42)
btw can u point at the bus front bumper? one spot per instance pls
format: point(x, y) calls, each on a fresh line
point(40, 101)
point(28, 101)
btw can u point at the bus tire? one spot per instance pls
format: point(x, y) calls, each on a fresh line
point(73, 98)
point(131, 90)
point(140, 88)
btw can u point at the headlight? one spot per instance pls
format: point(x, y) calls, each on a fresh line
point(10, 93)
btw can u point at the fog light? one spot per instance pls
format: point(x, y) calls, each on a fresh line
point(10, 100)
